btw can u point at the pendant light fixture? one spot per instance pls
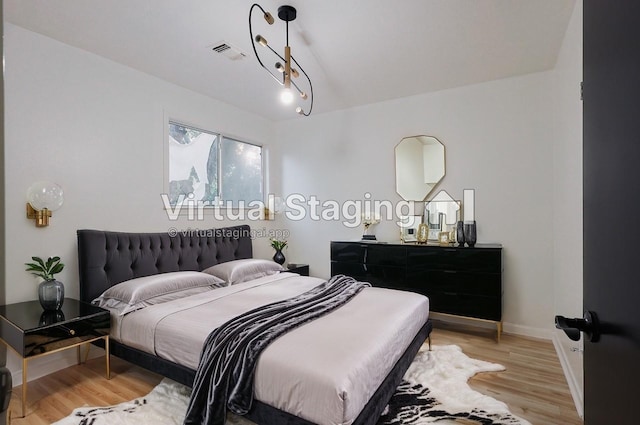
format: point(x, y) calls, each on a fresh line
point(288, 68)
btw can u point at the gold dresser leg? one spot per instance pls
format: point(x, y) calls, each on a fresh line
point(499, 326)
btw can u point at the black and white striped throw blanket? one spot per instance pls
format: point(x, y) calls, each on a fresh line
point(227, 363)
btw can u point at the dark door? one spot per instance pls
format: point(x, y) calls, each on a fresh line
point(612, 209)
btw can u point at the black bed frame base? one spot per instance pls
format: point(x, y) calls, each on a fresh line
point(262, 413)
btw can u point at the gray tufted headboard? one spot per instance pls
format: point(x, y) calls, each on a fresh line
point(108, 258)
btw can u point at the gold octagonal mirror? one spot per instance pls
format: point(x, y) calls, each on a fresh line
point(419, 166)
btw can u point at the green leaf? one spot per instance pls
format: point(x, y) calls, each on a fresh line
point(45, 270)
point(56, 269)
point(39, 261)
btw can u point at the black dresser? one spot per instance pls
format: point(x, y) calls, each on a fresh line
point(458, 281)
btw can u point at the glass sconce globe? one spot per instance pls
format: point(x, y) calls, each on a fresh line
point(44, 194)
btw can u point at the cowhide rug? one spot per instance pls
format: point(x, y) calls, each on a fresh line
point(434, 390)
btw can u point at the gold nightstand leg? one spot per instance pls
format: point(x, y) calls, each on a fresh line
point(499, 326)
point(106, 349)
point(86, 353)
point(24, 387)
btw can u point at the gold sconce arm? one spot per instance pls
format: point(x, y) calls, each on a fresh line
point(41, 217)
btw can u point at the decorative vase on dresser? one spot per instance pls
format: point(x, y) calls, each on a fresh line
point(458, 281)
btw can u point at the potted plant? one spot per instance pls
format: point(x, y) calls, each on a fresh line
point(50, 291)
point(278, 245)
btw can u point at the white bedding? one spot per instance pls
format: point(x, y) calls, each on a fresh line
point(324, 371)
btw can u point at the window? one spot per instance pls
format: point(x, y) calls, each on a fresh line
point(212, 167)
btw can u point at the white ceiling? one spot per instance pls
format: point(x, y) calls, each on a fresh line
point(355, 51)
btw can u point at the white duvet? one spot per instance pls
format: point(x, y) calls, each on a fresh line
point(324, 371)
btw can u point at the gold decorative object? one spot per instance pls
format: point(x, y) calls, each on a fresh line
point(423, 233)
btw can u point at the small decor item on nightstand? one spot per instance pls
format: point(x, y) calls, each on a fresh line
point(278, 245)
point(50, 291)
point(470, 233)
point(460, 232)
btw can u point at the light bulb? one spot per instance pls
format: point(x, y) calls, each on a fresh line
point(47, 195)
point(286, 96)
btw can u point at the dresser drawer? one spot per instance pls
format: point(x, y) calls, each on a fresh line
point(489, 308)
point(488, 284)
point(347, 252)
point(459, 259)
point(369, 253)
point(384, 276)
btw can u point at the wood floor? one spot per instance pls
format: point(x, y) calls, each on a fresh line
point(533, 385)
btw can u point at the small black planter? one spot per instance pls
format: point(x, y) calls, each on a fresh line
point(279, 257)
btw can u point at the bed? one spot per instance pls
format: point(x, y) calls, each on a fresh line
point(339, 369)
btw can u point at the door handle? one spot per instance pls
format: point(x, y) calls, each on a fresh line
point(573, 327)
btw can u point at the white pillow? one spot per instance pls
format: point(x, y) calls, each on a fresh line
point(238, 271)
point(141, 292)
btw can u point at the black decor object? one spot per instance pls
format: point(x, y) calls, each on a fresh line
point(470, 233)
point(460, 232)
point(278, 257)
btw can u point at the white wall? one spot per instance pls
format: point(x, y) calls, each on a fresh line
point(97, 129)
point(499, 141)
point(567, 197)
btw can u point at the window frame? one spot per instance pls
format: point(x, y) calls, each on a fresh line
point(220, 136)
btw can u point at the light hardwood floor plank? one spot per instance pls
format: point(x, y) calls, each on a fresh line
point(533, 384)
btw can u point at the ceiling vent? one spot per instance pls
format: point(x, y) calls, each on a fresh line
point(227, 50)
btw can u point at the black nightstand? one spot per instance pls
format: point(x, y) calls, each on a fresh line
point(32, 332)
point(301, 269)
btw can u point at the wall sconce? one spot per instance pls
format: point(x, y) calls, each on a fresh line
point(43, 198)
point(288, 68)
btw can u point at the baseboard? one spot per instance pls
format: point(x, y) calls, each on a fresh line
point(42, 366)
point(508, 328)
point(512, 328)
point(572, 381)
